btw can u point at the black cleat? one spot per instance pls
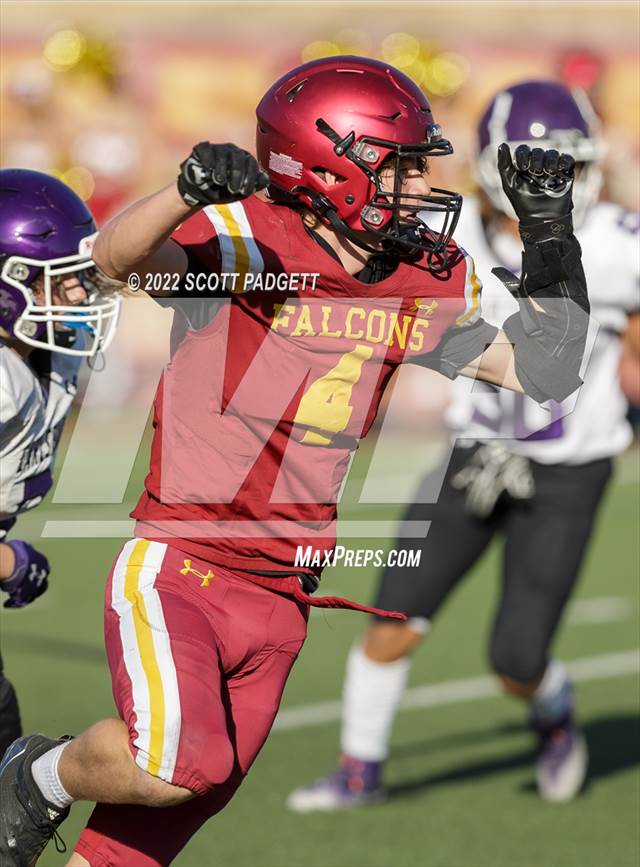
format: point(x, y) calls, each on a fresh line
point(27, 820)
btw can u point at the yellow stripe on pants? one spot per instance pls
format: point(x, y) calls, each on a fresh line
point(147, 654)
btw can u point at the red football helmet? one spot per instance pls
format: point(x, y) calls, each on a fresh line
point(347, 115)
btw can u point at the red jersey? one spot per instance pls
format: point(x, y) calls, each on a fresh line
point(275, 377)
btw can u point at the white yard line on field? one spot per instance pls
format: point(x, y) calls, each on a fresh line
point(599, 609)
point(467, 689)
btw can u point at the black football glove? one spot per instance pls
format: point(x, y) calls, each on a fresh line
point(538, 184)
point(548, 346)
point(215, 174)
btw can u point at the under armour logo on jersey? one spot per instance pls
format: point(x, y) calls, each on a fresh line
point(206, 579)
point(423, 307)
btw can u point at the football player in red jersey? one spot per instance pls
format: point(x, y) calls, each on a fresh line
point(257, 415)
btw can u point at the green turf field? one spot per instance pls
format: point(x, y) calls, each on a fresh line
point(460, 776)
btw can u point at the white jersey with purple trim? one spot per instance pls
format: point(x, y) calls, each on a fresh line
point(33, 409)
point(597, 426)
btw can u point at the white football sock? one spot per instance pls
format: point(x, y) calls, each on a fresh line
point(45, 774)
point(552, 699)
point(371, 694)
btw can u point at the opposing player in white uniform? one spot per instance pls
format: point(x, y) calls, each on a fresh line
point(536, 477)
point(53, 313)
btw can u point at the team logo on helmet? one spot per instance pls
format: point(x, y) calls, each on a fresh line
point(283, 164)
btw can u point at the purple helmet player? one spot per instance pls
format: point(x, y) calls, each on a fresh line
point(542, 114)
point(46, 236)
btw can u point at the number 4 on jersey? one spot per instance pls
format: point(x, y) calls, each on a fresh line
point(324, 407)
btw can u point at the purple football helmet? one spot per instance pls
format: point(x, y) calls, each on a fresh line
point(542, 114)
point(47, 231)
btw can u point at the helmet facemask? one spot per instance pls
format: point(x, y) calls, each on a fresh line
point(50, 325)
point(395, 217)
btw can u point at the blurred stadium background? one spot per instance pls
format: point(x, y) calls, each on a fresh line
point(111, 97)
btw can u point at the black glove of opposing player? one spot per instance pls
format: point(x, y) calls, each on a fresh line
point(491, 472)
point(214, 174)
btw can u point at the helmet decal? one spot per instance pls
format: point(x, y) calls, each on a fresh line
point(283, 164)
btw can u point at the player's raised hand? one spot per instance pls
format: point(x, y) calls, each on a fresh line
point(29, 577)
point(214, 174)
point(538, 184)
